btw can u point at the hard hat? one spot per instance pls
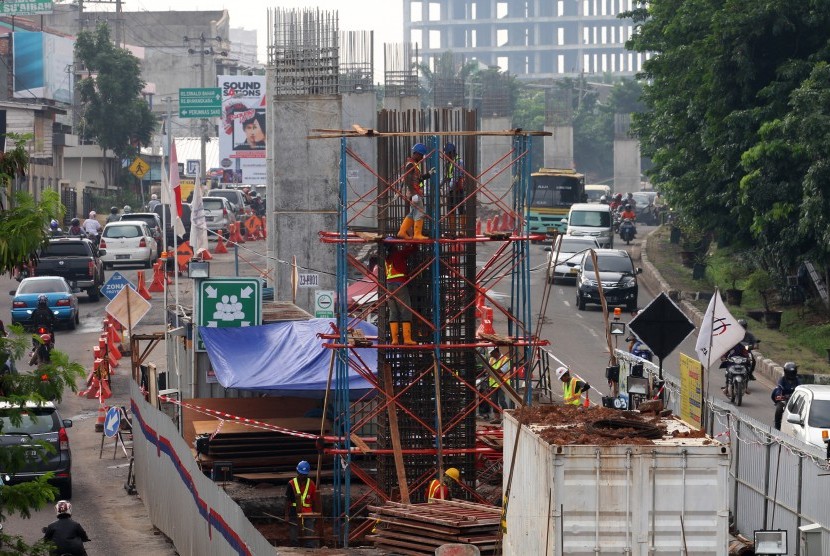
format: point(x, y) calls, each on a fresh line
point(449, 148)
point(453, 473)
point(153, 197)
point(420, 148)
point(63, 507)
point(46, 338)
point(560, 372)
point(53, 224)
point(303, 468)
point(113, 209)
point(128, 208)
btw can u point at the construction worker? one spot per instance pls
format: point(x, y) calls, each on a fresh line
point(400, 314)
point(301, 498)
point(454, 180)
point(413, 178)
point(501, 365)
point(572, 387)
point(440, 489)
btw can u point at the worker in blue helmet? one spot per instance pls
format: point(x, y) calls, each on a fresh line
point(413, 180)
point(454, 183)
point(301, 507)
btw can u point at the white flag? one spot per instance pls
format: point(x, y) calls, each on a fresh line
point(198, 223)
point(719, 332)
point(168, 197)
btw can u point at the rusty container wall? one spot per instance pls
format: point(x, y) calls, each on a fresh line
point(623, 499)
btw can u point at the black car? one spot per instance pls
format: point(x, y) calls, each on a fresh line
point(618, 276)
point(163, 212)
point(40, 424)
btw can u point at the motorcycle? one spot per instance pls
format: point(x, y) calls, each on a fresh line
point(737, 375)
point(616, 217)
point(627, 231)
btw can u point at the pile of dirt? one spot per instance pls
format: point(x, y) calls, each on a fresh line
point(566, 425)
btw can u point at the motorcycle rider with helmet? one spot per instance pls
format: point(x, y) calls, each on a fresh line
point(43, 317)
point(127, 210)
point(738, 350)
point(113, 216)
point(75, 229)
point(65, 533)
point(55, 229)
point(783, 390)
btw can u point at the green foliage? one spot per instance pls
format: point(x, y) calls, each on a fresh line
point(530, 109)
point(729, 269)
point(114, 114)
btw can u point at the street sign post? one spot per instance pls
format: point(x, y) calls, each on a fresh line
point(128, 308)
point(115, 284)
point(200, 103)
point(324, 304)
point(228, 303)
point(139, 168)
point(26, 7)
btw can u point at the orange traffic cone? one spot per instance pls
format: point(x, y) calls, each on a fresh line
point(486, 326)
point(112, 329)
point(104, 391)
point(478, 226)
point(112, 348)
point(587, 402)
point(159, 276)
point(102, 415)
point(204, 254)
point(220, 245)
point(142, 287)
point(236, 237)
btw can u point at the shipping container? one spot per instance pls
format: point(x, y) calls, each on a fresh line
point(666, 496)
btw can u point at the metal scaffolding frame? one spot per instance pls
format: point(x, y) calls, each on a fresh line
point(425, 396)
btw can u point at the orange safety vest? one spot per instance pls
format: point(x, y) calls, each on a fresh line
point(569, 391)
point(437, 491)
point(305, 498)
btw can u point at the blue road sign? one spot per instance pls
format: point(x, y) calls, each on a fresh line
point(112, 421)
point(115, 284)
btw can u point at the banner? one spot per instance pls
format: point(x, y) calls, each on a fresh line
point(40, 62)
point(691, 390)
point(242, 130)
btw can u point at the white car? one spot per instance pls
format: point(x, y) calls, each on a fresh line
point(127, 242)
point(569, 256)
point(808, 414)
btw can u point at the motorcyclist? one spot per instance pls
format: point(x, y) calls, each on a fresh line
point(154, 202)
point(750, 342)
point(65, 533)
point(603, 200)
point(75, 229)
point(55, 229)
point(42, 353)
point(783, 390)
point(127, 209)
point(91, 226)
point(616, 202)
point(42, 316)
point(738, 350)
point(113, 216)
point(628, 212)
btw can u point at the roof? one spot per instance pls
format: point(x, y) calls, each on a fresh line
point(190, 148)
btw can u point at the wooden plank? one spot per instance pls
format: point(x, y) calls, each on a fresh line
point(392, 413)
point(431, 527)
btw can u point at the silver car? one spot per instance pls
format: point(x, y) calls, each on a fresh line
point(219, 215)
point(570, 250)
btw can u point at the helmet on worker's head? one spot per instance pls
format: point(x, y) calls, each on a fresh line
point(453, 473)
point(627, 207)
point(127, 209)
point(154, 197)
point(303, 468)
point(603, 199)
point(742, 322)
point(42, 301)
point(92, 214)
point(561, 371)
point(790, 369)
point(76, 222)
point(63, 508)
point(449, 148)
point(45, 338)
point(53, 224)
point(420, 149)
point(114, 210)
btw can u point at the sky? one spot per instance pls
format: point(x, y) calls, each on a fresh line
point(384, 17)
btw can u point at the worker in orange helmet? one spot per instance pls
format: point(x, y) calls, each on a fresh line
point(439, 489)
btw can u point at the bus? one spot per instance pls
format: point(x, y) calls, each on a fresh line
point(552, 192)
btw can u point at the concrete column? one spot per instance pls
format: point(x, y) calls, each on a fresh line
point(402, 104)
point(361, 109)
point(491, 149)
point(626, 156)
point(559, 147)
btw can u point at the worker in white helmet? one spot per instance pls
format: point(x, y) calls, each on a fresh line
point(572, 387)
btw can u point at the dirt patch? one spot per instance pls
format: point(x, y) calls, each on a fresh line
point(569, 425)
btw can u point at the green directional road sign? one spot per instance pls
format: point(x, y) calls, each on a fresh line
point(26, 7)
point(228, 303)
point(200, 103)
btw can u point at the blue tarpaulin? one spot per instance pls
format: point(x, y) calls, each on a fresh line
point(287, 357)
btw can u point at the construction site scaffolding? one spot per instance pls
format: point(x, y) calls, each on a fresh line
point(420, 417)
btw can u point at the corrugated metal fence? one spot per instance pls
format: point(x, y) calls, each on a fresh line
point(184, 504)
point(776, 482)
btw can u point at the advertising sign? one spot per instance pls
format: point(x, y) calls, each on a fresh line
point(26, 7)
point(40, 62)
point(242, 131)
point(691, 390)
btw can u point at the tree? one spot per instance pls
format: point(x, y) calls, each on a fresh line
point(114, 114)
point(22, 230)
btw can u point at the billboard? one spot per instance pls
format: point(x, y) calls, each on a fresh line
point(43, 66)
point(242, 132)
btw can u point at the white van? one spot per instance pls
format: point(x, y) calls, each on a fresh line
point(595, 192)
point(589, 219)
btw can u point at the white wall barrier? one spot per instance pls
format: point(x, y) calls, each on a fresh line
point(182, 502)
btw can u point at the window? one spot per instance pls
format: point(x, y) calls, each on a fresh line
point(67, 249)
point(610, 263)
point(123, 232)
point(415, 11)
point(502, 37)
point(42, 286)
point(34, 421)
point(434, 39)
point(560, 36)
point(501, 10)
point(560, 63)
point(560, 8)
point(214, 204)
point(501, 62)
point(416, 36)
point(819, 416)
point(434, 11)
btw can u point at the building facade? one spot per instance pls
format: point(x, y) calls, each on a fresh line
point(532, 39)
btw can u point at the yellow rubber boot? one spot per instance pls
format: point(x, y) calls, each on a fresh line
point(406, 226)
point(419, 227)
point(394, 328)
point(407, 333)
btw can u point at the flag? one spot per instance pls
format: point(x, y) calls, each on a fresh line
point(198, 223)
point(171, 197)
point(175, 184)
point(719, 332)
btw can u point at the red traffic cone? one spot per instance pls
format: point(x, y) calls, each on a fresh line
point(112, 348)
point(112, 330)
point(104, 391)
point(587, 402)
point(142, 287)
point(478, 226)
point(203, 254)
point(220, 245)
point(102, 415)
point(486, 326)
point(159, 277)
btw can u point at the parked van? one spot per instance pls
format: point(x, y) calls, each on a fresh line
point(595, 192)
point(589, 219)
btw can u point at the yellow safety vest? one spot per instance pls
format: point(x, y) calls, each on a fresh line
point(497, 365)
point(390, 272)
point(569, 391)
point(305, 504)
